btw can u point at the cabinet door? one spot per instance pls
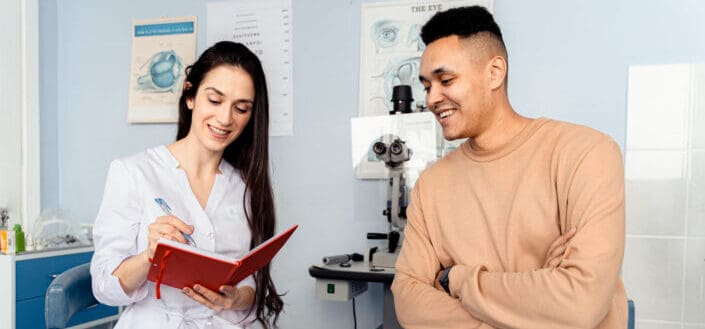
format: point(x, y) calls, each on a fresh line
point(32, 277)
point(30, 314)
point(19, 110)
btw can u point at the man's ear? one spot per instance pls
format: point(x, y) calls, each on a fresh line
point(498, 71)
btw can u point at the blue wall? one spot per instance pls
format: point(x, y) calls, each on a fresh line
point(568, 60)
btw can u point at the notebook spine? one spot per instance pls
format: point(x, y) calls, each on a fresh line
point(236, 266)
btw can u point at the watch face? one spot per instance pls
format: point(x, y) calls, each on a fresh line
point(443, 280)
point(445, 274)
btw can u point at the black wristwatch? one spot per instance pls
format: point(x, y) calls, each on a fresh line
point(444, 281)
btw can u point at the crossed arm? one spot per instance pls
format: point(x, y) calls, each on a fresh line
point(573, 289)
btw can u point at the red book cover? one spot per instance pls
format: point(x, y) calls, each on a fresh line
point(179, 265)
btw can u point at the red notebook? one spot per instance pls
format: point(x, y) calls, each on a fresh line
point(179, 265)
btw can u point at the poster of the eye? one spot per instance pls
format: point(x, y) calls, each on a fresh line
point(391, 48)
point(161, 50)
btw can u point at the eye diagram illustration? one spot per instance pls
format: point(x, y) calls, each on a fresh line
point(385, 34)
point(402, 72)
point(396, 36)
point(164, 71)
point(414, 38)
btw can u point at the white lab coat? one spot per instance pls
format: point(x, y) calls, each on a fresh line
point(121, 231)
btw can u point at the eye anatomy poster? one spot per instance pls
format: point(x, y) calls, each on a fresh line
point(391, 48)
point(161, 50)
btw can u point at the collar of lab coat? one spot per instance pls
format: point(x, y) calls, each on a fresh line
point(225, 168)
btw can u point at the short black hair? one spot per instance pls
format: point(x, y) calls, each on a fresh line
point(464, 22)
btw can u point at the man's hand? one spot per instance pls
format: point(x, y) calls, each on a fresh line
point(229, 298)
point(557, 251)
point(555, 254)
point(437, 282)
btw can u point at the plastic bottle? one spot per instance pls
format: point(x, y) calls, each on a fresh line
point(3, 230)
point(19, 238)
point(29, 242)
point(11, 247)
point(3, 239)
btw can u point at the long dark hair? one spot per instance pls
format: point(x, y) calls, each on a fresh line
point(249, 154)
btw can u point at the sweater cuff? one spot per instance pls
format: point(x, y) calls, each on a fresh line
point(460, 274)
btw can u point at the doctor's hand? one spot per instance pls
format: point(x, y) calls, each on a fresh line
point(229, 298)
point(558, 250)
point(167, 227)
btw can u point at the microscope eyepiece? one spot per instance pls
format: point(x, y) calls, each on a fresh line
point(396, 148)
point(379, 148)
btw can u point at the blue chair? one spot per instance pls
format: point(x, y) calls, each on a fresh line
point(630, 322)
point(67, 294)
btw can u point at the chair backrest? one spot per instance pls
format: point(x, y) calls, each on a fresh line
point(67, 294)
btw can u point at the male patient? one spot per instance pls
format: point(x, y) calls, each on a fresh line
point(523, 225)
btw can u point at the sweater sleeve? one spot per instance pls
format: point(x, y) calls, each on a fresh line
point(578, 293)
point(418, 304)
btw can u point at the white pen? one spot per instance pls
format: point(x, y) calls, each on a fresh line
point(167, 210)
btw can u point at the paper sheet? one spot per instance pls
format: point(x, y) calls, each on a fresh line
point(265, 28)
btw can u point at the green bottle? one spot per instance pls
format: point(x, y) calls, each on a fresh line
point(19, 238)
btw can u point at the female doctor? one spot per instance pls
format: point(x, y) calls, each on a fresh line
point(215, 178)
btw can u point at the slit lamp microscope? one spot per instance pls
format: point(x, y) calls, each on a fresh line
point(394, 152)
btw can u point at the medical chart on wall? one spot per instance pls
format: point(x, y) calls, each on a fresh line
point(391, 47)
point(161, 49)
point(265, 28)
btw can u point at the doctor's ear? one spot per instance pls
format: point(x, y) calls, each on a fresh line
point(189, 100)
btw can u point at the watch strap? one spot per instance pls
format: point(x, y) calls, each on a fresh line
point(444, 280)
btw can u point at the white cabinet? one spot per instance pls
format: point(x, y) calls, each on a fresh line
point(19, 110)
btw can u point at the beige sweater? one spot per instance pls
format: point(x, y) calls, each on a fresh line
point(493, 216)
